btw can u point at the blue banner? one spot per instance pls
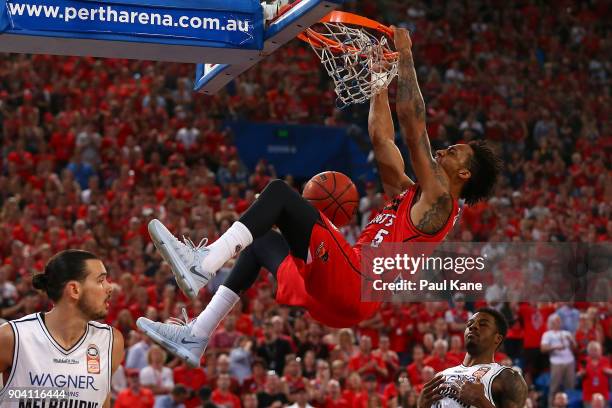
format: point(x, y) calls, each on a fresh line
point(178, 22)
point(302, 150)
point(5, 22)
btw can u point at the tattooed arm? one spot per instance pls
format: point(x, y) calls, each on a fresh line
point(432, 210)
point(509, 390)
point(387, 155)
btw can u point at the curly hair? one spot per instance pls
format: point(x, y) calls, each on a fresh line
point(485, 167)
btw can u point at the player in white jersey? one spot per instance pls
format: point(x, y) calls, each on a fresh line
point(479, 381)
point(63, 358)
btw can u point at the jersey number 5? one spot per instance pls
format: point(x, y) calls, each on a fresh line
point(380, 236)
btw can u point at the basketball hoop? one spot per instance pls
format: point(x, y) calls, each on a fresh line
point(357, 54)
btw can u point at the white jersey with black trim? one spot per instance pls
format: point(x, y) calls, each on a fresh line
point(486, 373)
point(81, 374)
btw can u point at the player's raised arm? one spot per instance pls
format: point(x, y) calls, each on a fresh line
point(411, 114)
point(387, 155)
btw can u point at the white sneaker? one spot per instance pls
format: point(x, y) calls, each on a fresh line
point(175, 337)
point(184, 258)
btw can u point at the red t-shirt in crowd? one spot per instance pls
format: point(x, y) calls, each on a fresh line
point(359, 360)
point(129, 399)
point(193, 378)
point(595, 379)
point(227, 399)
point(534, 323)
point(339, 403)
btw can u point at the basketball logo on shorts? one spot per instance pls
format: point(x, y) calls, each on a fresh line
point(93, 359)
point(321, 252)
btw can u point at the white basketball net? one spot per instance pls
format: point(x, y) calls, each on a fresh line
point(357, 65)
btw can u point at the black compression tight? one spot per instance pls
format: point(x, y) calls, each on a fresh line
point(268, 252)
point(280, 205)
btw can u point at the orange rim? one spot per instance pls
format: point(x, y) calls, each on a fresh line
point(319, 41)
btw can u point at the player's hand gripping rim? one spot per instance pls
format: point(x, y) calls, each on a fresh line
point(431, 392)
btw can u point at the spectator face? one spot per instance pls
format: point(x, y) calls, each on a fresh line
point(456, 343)
point(223, 382)
point(258, 370)
point(418, 354)
point(301, 397)
point(234, 191)
point(223, 363)
point(230, 323)
point(428, 341)
point(555, 322)
point(272, 382)
point(440, 325)
point(345, 339)
point(594, 350)
point(427, 374)
point(133, 382)
point(249, 401)
point(156, 356)
point(338, 369)
point(560, 400)
point(277, 324)
point(333, 387)
point(268, 331)
point(322, 368)
point(440, 348)
point(309, 359)
point(365, 344)
point(383, 343)
point(152, 313)
point(292, 368)
point(355, 381)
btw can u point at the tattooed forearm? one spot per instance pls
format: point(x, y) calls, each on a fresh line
point(408, 93)
point(437, 215)
point(425, 146)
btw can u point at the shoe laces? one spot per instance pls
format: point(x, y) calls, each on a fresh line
point(187, 249)
point(187, 241)
point(178, 321)
point(174, 326)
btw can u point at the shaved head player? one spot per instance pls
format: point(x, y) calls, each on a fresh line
point(314, 266)
point(479, 381)
point(64, 350)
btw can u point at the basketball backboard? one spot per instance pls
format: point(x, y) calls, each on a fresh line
point(301, 14)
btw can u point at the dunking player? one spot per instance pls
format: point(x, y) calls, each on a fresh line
point(479, 381)
point(64, 352)
point(313, 264)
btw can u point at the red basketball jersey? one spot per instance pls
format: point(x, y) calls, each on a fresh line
point(393, 223)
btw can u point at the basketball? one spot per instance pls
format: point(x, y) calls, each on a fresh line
point(334, 194)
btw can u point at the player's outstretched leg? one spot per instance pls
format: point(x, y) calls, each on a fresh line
point(278, 204)
point(188, 341)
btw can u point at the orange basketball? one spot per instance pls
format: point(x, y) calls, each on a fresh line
point(334, 194)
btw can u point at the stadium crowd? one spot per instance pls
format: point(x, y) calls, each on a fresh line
point(93, 149)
